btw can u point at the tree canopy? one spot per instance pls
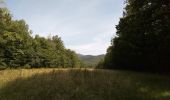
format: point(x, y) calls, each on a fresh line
point(19, 49)
point(143, 37)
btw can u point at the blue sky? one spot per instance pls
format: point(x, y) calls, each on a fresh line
point(85, 26)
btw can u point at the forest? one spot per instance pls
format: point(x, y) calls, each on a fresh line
point(142, 42)
point(18, 49)
point(136, 65)
point(143, 37)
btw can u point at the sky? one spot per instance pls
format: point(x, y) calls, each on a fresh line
point(85, 26)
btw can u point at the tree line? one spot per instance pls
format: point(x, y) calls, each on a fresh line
point(143, 37)
point(18, 49)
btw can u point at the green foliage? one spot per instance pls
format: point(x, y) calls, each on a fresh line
point(100, 64)
point(143, 37)
point(19, 49)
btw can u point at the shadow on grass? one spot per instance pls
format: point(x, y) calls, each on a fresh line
point(87, 85)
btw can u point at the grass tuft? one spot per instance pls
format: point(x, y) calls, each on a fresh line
point(82, 84)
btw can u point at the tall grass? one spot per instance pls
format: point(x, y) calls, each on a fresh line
point(82, 84)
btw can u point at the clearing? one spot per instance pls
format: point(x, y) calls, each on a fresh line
point(82, 84)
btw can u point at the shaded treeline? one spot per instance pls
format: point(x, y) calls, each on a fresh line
point(19, 49)
point(143, 37)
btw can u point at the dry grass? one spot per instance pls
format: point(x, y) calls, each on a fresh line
point(82, 84)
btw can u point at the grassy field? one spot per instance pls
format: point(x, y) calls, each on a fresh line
point(82, 84)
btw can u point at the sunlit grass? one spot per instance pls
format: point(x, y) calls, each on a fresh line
point(82, 84)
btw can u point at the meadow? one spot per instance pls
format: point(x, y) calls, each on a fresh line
point(82, 84)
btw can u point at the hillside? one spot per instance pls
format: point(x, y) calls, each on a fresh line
point(82, 84)
point(90, 60)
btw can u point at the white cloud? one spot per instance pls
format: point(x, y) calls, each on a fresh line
point(98, 46)
point(95, 48)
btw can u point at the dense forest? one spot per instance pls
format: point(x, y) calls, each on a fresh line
point(18, 49)
point(142, 41)
point(143, 37)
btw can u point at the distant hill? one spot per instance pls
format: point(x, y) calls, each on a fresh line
point(90, 60)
